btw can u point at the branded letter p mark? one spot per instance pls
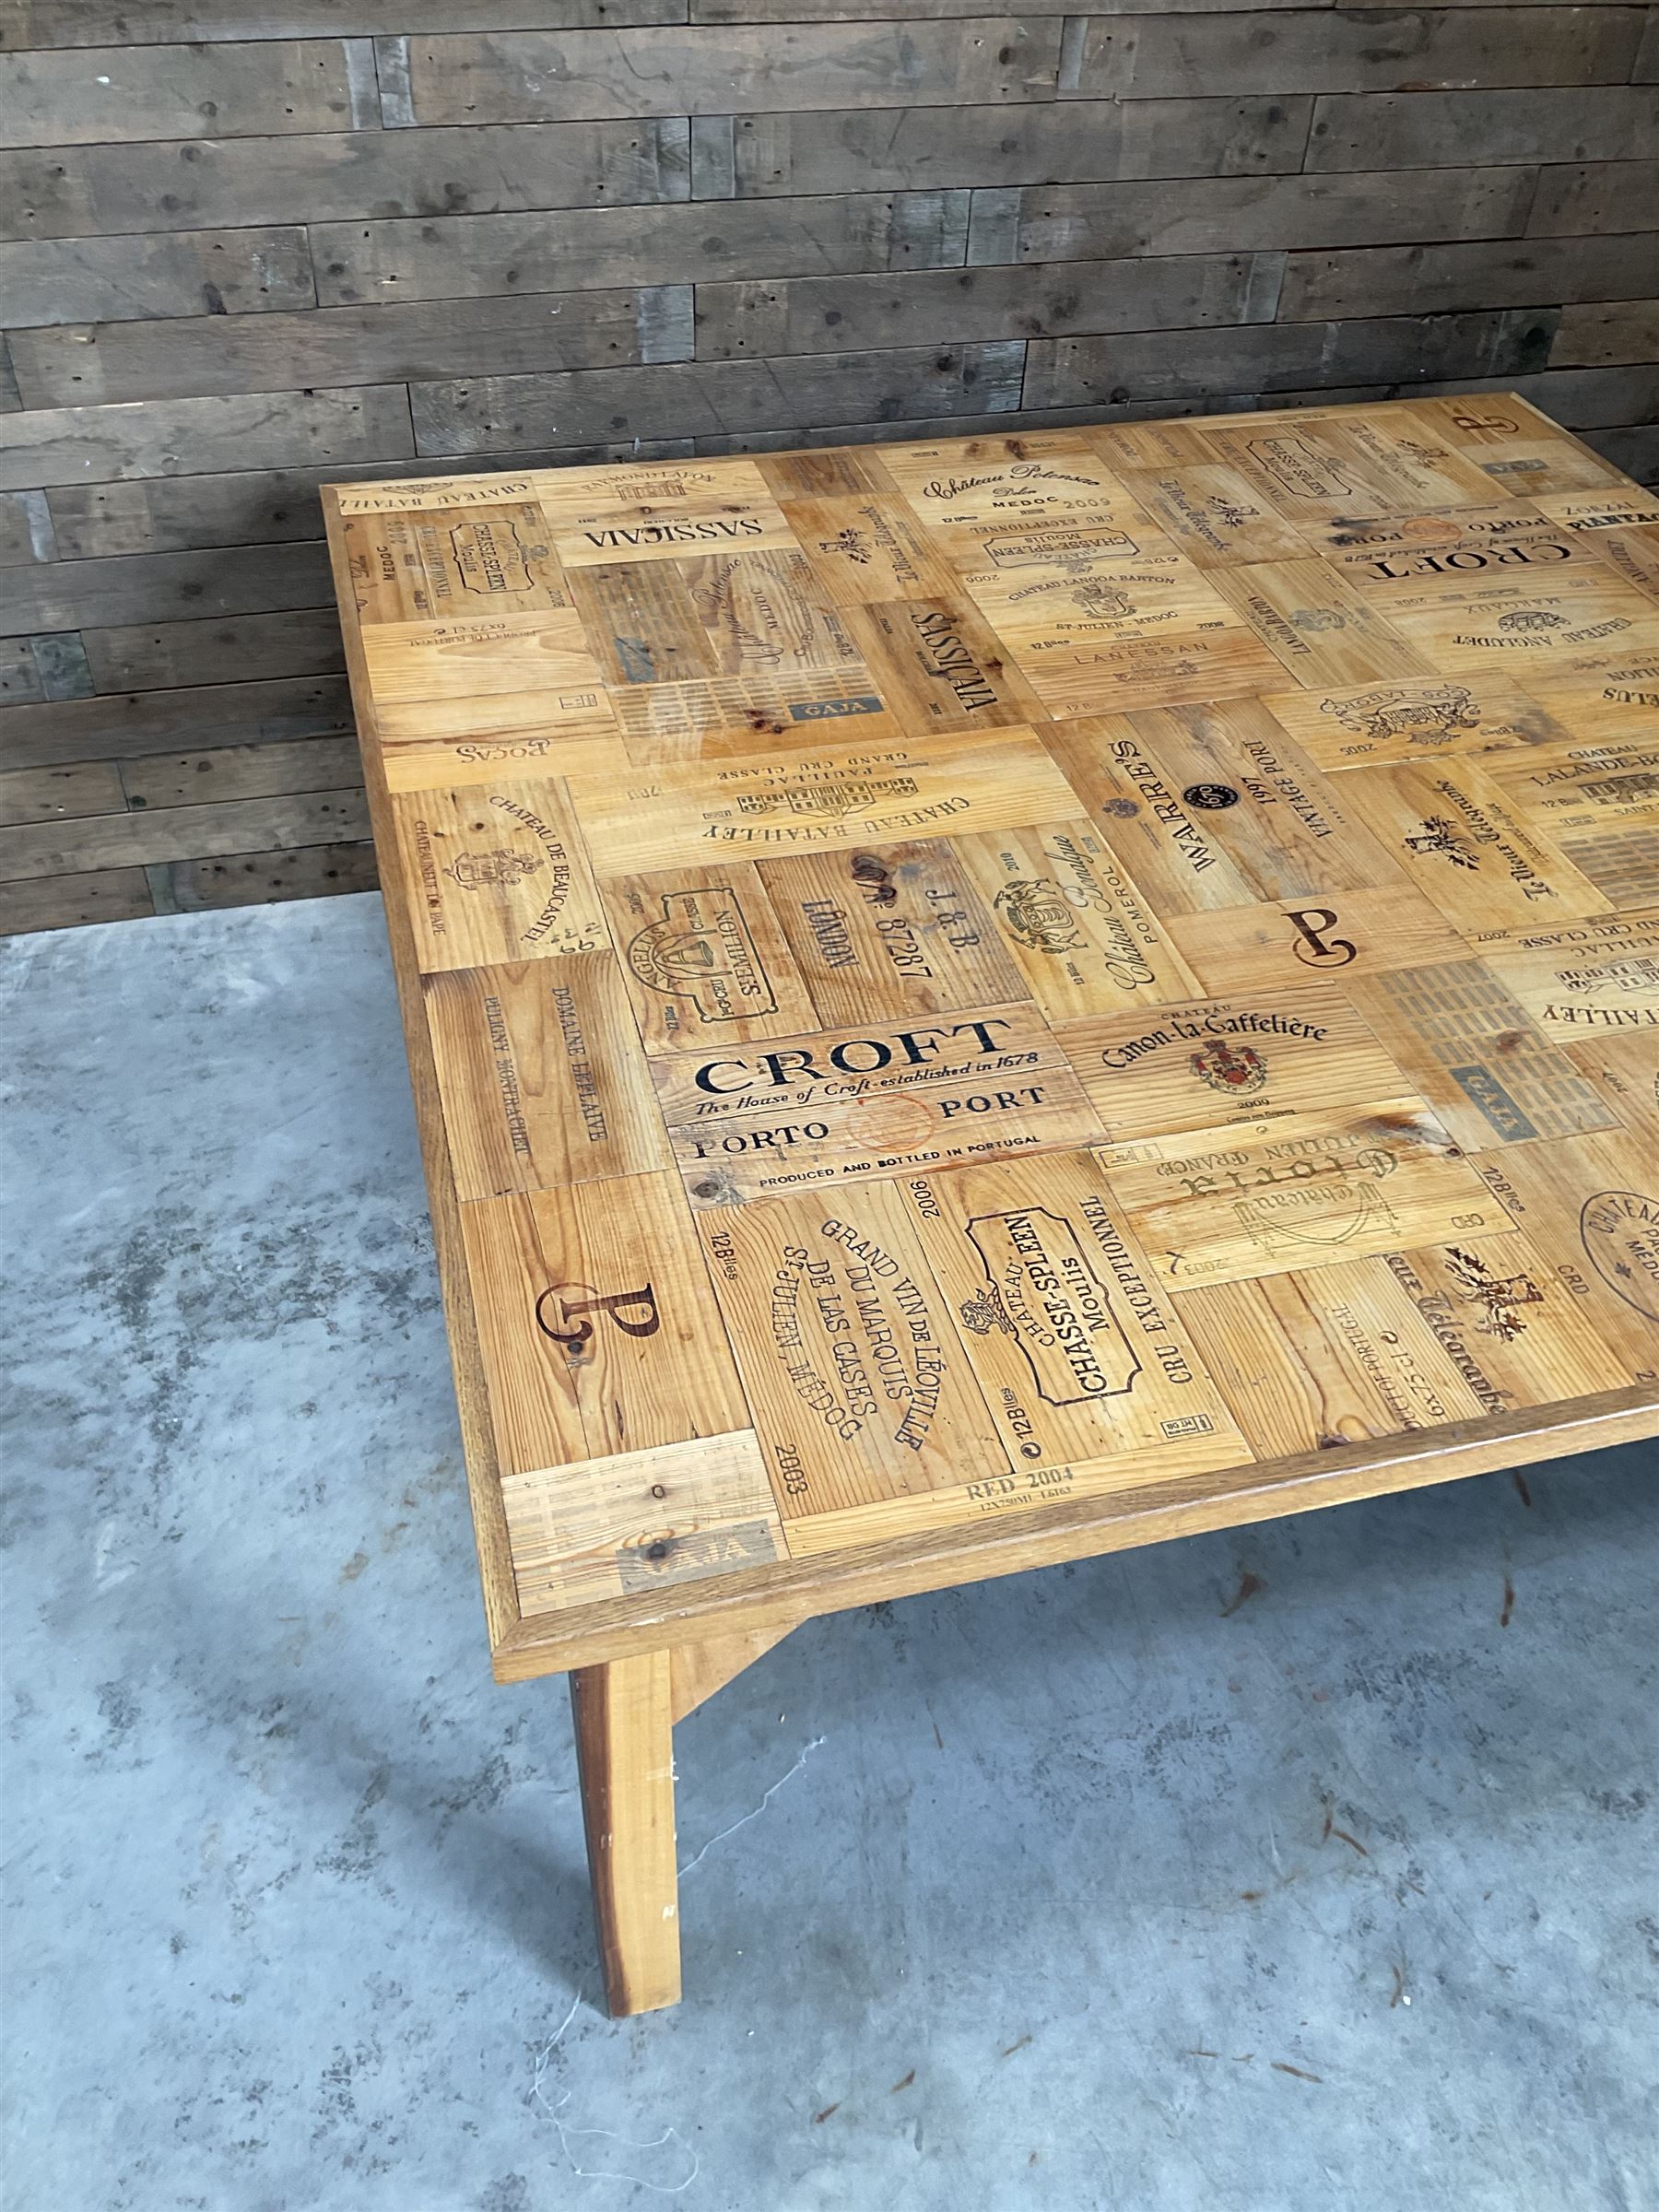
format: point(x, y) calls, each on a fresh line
point(645, 1321)
point(1311, 946)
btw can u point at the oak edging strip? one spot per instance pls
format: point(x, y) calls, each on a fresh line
point(483, 1471)
point(783, 1596)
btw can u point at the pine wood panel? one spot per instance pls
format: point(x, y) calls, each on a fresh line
point(1008, 1101)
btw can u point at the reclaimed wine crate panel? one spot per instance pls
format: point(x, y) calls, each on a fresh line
point(1086, 939)
point(1599, 979)
point(461, 561)
point(1623, 1068)
point(436, 744)
point(473, 655)
point(640, 1521)
point(495, 873)
point(704, 958)
point(1415, 718)
point(543, 1081)
point(892, 930)
point(1298, 939)
point(826, 1109)
point(862, 1388)
point(1235, 1060)
point(1588, 1203)
point(1298, 1193)
point(972, 985)
point(840, 798)
point(604, 1340)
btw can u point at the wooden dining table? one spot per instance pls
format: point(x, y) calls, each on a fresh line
point(987, 1000)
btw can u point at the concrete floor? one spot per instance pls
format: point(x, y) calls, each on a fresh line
point(1305, 1869)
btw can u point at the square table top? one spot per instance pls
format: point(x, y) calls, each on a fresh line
point(981, 1001)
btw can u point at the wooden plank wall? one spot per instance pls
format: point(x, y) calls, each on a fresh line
point(253, 244)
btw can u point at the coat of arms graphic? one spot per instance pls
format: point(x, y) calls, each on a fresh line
point(1103, 601)
point(1232, 1069)
point(1421, 715)
point(1037, 913)
point(494, 871)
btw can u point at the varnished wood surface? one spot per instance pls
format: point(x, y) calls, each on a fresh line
point(986, 1000)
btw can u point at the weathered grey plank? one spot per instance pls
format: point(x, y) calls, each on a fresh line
point(471, 255)
point(1635, 448)
point(51, 795)
point(715, 153)
point(1340, 50)
point(114, 840)
point(19, 678)
point(1219, 214)
point(1433, 279)
point(173, 514)
point(182, 273)
point(79, 365)
point(105, 95)
point(187, 887)
point(547, 76)
point(1601, 335)
point(824, 314)
point(185, 437)
point(25, 531)
point(917, 11)
point(1142, 410)
point(240, 771)
point(1282, 357)
point(500, 414)
point(205, 183)
point(1646, 68)
point(132, 723)
point(51, 666)
point(1594, 196)
point(66, 901)
point(392, 82)
point(889, 150)
point(162, 514)
point(19, 675)
point(926, 428)
point(162, 587)
point(1113, 409)
point(1446, 130)
point(93, 22)
point(9, 402)
point(166, 656)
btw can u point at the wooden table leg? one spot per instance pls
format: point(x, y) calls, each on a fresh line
point(624, 1754)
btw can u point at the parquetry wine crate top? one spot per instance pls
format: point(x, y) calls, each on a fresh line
point(952, 982)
